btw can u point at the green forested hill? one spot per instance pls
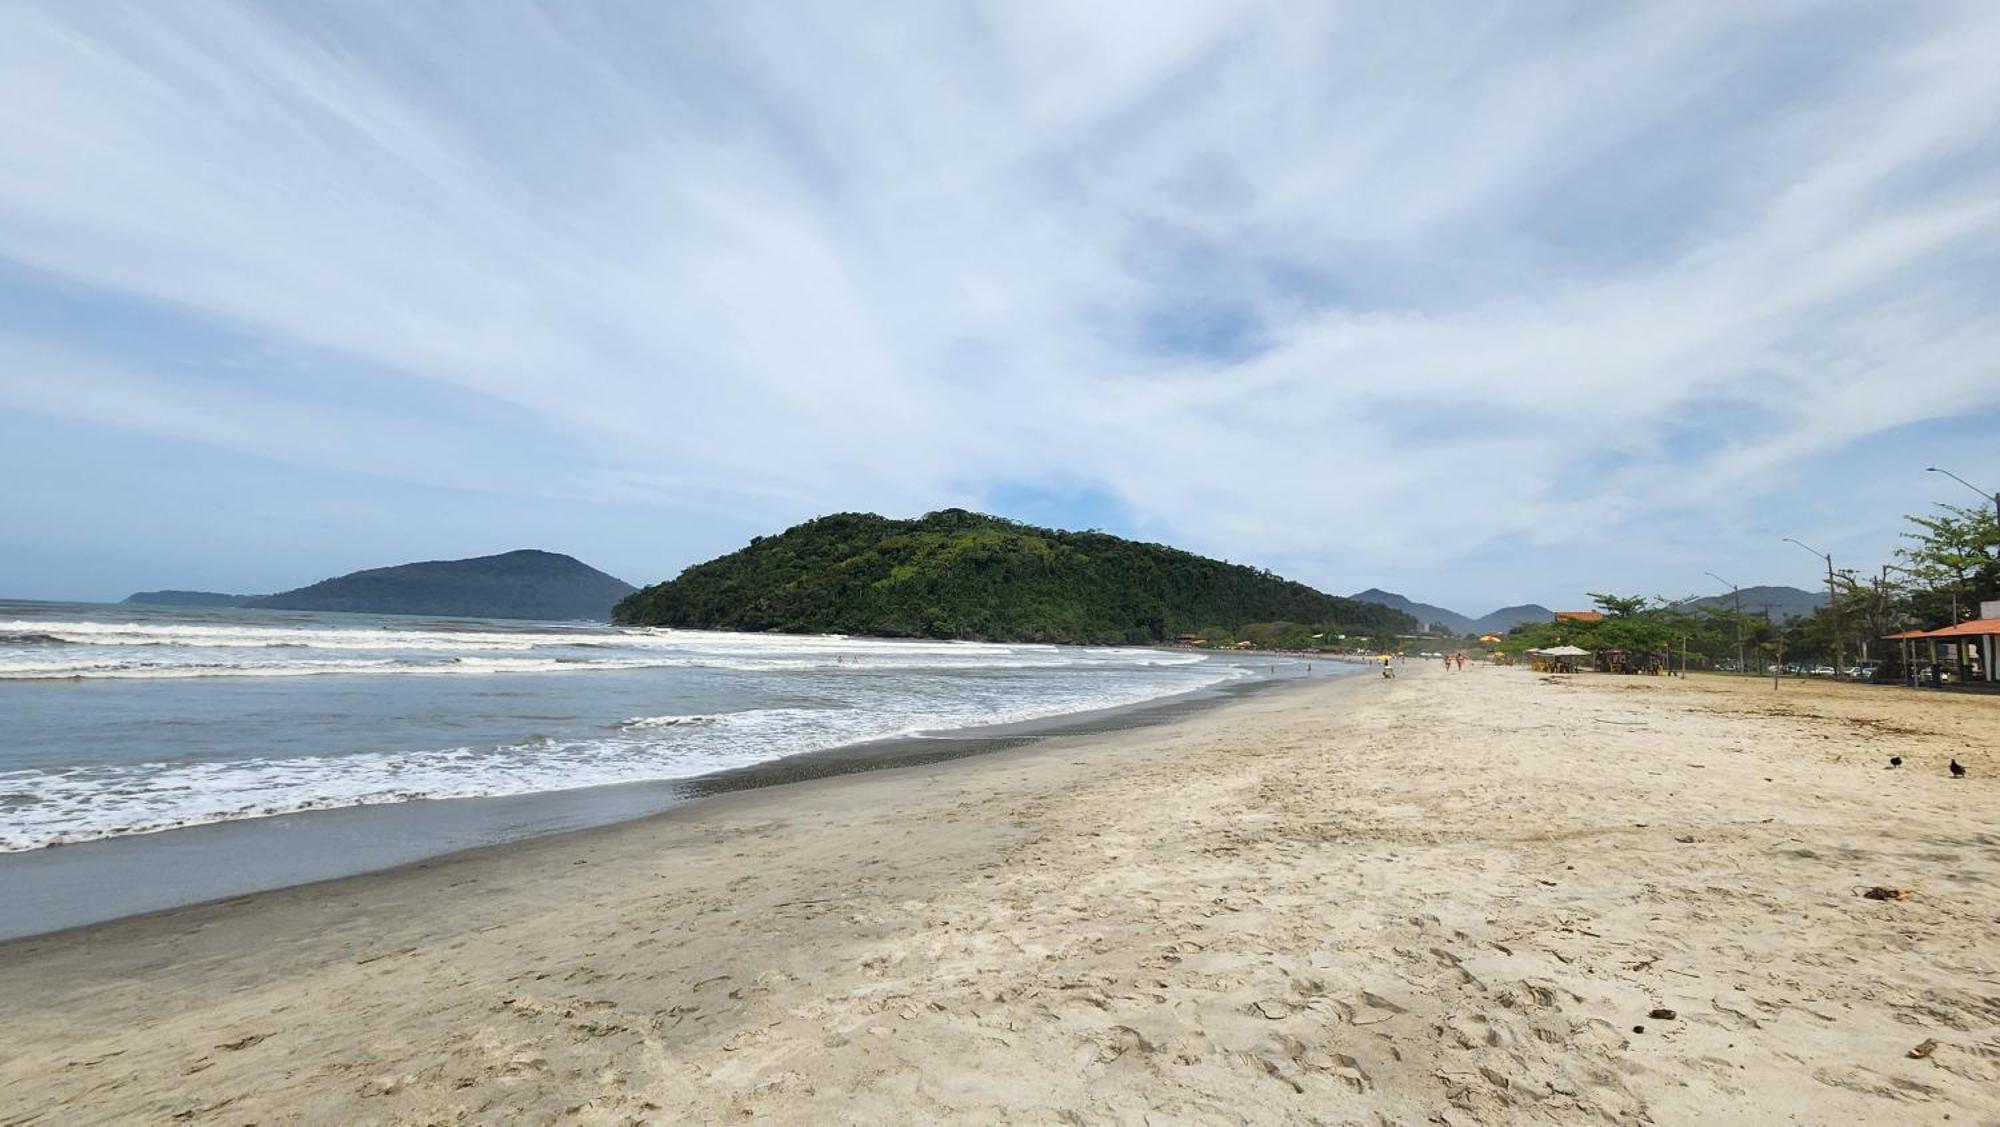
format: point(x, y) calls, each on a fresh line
point(955, 574)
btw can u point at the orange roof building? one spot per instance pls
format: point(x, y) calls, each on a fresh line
point(1981, 636)
point(1579, 616)
point(1977, 628)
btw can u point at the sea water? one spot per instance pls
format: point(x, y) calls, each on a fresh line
point(127, 720)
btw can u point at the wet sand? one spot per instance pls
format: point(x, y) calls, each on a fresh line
point(1448, 897)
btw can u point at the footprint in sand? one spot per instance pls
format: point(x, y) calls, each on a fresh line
point(1869, 1082)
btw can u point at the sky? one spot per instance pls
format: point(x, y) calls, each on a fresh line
point(1483, 304)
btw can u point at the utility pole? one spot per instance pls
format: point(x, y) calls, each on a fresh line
point(1832, 603)
point(1908, 651)
point(1881, 612)
point(1741, 667)
point(1777, 648)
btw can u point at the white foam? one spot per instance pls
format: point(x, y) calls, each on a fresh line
point(643, 723)
point(84, 803)
point(150, 650)
point(865, 689)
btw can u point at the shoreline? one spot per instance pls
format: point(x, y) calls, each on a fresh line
point(62, 888)
point(423, 880)
point(1446, 897)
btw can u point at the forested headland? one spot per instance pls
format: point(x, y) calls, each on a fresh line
point(963, 575)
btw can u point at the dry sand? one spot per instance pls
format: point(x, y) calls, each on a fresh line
point(1447, 898)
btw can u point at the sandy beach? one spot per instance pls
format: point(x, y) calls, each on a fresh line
point(1451, 898)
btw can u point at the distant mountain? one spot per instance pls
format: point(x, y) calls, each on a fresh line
point(1506, 618)
point(1499, 622)
point(187, 599)
point(957, 574)
point(523, 584)
point(1424, 613)
point(1782, 602)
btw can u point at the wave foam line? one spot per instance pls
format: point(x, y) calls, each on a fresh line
point(86, 667)
point(85, 803)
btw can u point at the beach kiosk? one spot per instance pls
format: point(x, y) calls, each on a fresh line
point(1977, 648)
point(1628, 661)
point(1908, 638)
point(1976, 645)
point(1557, 659)
point(1978, 640)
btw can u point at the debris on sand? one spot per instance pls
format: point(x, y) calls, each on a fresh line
point(1924, 1048)
point(1662, 1014)
point(1879, 893)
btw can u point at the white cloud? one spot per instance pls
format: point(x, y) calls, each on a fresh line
point(814, 258)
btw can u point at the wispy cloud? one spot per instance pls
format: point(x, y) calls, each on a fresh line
point(1362, 295)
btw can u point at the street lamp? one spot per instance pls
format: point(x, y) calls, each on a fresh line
point(1832, 602)
point(1738, 592)
point(1982, 493)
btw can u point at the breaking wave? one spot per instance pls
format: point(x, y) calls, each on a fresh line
point(184, 756)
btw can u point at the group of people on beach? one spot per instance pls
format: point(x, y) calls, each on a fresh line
point(1457, 656)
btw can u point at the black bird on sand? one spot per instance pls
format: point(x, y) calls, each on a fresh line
point(1895, 761)
point(1957, 771)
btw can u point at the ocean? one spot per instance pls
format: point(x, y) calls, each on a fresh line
point(122, 721)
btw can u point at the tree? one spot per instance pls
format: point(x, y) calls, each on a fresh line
point(1616, 606)
point(1955, 557)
